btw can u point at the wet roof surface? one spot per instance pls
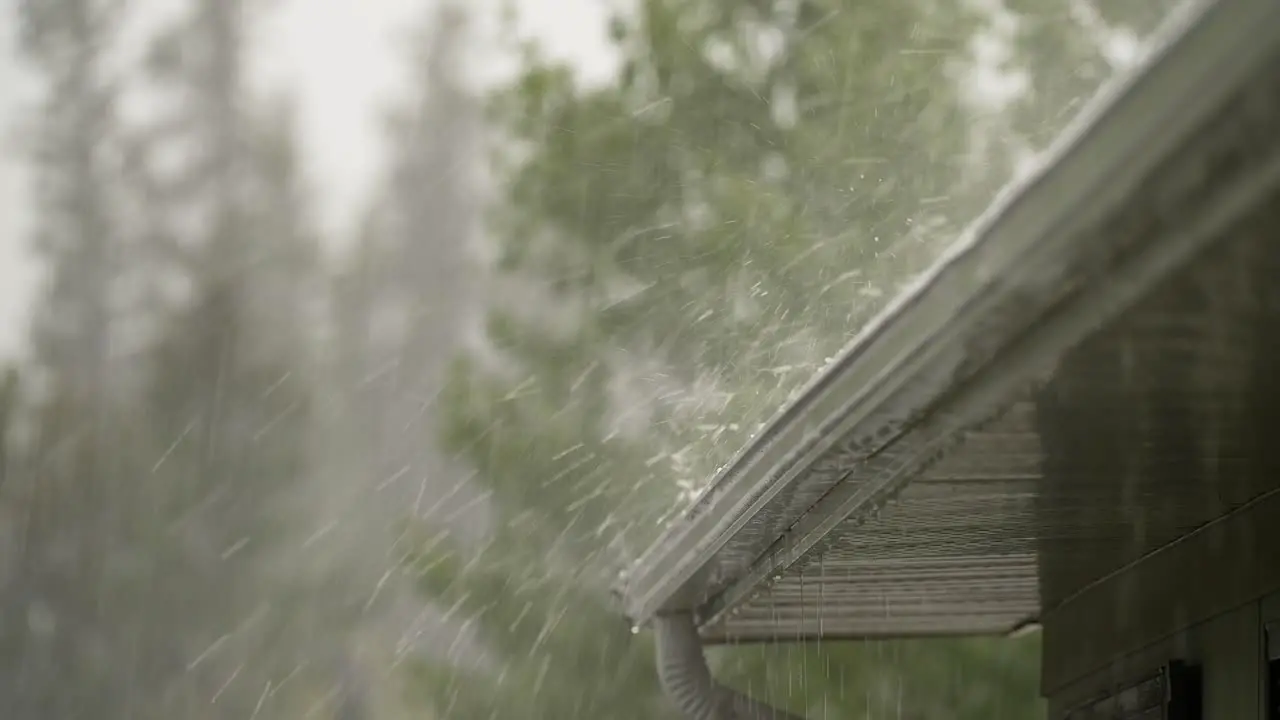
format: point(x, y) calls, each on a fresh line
point(1082, 380)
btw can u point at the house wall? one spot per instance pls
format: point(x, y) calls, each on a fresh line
point(1205, 599)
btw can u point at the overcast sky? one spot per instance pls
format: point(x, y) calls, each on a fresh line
point(343, 59)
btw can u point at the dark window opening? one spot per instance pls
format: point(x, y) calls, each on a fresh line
point(1173, 693)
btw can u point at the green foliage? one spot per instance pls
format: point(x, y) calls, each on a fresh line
point(718, 208)
point(706, 229)
point(1069, 50)
point(907, 679)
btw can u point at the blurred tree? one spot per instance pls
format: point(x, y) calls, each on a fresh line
point(60, 481)
point(230, 393)
point(677, 249)
point(148, 575)
point(402, 302)
point(409, 292)
point(1067, 51)
point(9, 400)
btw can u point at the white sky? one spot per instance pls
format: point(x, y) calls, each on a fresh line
point(344, 60)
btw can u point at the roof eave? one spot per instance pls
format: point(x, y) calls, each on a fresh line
point(1020, 257)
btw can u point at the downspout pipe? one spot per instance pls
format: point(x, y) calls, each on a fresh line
point(686, 678)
